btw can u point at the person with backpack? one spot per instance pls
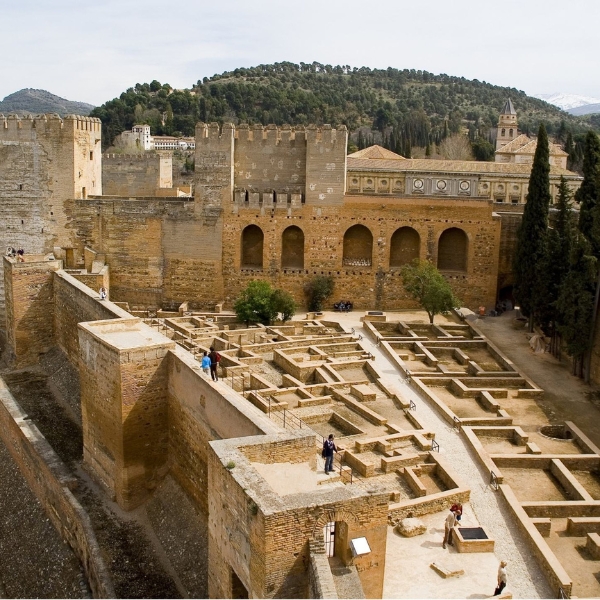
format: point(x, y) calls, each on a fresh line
point(328, 449)
point(215, 359)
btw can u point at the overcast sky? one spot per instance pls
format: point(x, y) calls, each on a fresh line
point(92, 51)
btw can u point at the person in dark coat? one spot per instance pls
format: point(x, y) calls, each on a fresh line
point(329, 448)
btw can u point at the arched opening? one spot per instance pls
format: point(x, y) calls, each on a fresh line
point(358, 247)
point(404, 246)
point(510, 132)
point(452, 250)
point(252, 247)
point(504, 132)
point(292, 248)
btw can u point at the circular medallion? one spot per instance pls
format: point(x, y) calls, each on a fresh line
point(418, 184)
point(464, 185)
point(441, 185)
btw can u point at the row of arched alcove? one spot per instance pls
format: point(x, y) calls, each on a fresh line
point(405, 246)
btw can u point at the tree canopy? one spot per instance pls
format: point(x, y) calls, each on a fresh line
point(402, 108)
point(260, 303)
point(429, 288)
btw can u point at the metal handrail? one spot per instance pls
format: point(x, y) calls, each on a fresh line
point(457, 424)
point(494, 481)
point(435, 447)
point(412, 405)
point(562, 593)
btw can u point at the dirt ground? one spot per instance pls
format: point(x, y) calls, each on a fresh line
point(566, 398)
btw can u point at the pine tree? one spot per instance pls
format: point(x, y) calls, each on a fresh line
point(587, 194)
point(428, 150)
point(531, 237)
point(407, 149)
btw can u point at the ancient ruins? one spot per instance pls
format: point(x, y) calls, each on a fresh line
point(220, 486)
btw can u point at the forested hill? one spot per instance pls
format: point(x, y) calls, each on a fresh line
point(408, 107)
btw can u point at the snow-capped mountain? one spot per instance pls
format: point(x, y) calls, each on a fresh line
point(567, 101)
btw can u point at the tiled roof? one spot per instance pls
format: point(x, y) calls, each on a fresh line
point(525, 145)
point(423, 165)
point(376, 153)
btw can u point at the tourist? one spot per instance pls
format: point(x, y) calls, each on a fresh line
point(448, 527)
point(329, 448)
point(20, 254)
point(103, 293)
point(215, 358)
point(206, 364)
point(457, 509)
point(501, 578)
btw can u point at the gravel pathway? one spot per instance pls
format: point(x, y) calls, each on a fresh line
point(526, 579)
point(34, 561)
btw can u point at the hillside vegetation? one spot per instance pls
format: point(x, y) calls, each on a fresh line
point(40, 101)
point(399, 108)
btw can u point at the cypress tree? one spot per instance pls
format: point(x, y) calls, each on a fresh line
point(587, 194)
point(556, 263)
point(575, 304)
point(531, 237)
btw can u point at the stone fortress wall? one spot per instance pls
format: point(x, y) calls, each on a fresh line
point(44, 161)
point(136, 174)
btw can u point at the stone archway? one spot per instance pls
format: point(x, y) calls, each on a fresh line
point(405, 246)
point(292, 248)
point(252, 247)
point(453, 247)
point(358, 247)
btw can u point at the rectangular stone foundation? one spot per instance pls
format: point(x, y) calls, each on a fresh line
point(471, 539)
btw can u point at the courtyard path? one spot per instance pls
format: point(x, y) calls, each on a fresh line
point(526, 579)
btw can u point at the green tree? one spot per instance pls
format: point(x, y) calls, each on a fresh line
point(319, 289)
point(284, 304)
point(575, 304)
point(429, 288)
point(255, 303)
point(556, 261)
point(260, 303)
point(531, 237)
point(588, 194)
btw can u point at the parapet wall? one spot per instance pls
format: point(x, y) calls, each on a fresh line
point(75, 302)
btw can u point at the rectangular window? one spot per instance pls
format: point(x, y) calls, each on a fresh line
point(91, 155)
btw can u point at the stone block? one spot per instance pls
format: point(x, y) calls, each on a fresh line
point(410, 527)
point(446, 573)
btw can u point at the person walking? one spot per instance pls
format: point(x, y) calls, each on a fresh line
point(449, 525)
point(215, 357)
point(501, 578)
point(206, 364)
point(329, 448)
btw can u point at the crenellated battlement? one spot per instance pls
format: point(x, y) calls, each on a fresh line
point(271, 134)
point(15, 127)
